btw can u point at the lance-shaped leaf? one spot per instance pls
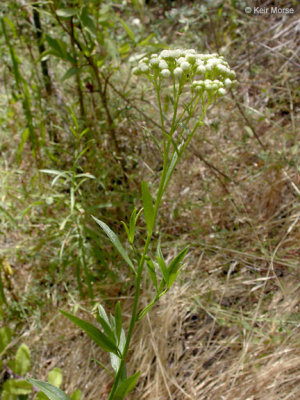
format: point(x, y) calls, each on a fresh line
point(115, 360)
point(151, 270)
point(162, 264)
point(103, 341)
point(116, 242)
point(132, 224)
point(104, 322)
point(148, 207)
point(175, 266)
point(126, 386)
point(126, 28)
point(52, 392)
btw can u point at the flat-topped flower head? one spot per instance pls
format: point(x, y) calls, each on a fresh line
point(186, 66)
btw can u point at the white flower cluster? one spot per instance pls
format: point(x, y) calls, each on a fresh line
point(206, 72)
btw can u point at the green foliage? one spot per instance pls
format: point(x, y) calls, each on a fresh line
point(148, 207)
point(116, 242)
point(51, 391)
point(5, 337)
point(107, 343)
point(126, 386)
point(17, 387)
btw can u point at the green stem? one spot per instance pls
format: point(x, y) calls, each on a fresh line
point(164, 180)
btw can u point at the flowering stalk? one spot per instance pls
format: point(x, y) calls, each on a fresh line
point(197, 80)
point(182, 66)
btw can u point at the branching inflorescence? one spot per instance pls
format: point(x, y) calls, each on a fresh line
point(208, 74)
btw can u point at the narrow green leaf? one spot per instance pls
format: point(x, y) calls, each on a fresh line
point(146, 309)
point(94, 333)
point(87, 21)
point(66, 12)
point(162, 265)
point(22, 360)
point(115, 360)
point(152, 273)
point(148, 207)
point(176, 265)
point(106, 328)
point(126, 229)
point(145, 42)
point(132, 223)
point(23, 140)
point(70, 72)
point(60, 48)
point(126, 28)
point(52, 392)
point(126, 386)
point(103, 314)
point(116, 242)
point(103, 366)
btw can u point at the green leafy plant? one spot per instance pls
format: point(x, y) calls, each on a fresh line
point(197, 80)
point(14, 367)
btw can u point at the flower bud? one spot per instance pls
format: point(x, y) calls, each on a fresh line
point(144, 68)
point(227, 82)
point(178, 71)
point(165, 73)
point(185, 66)
point(163, 65)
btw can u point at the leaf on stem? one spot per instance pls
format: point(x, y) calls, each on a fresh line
point(116, 242)
point(103, 341)
point(126, 28)
point(152, 273)
point(66, 12)
point(162, 265)
point(175, 266)
point(52, 392)
point(126, 386)
point(148, 207)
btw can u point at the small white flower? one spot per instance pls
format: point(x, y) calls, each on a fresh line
point(178, 71)
point(227, 82)
point(144, 68)
point(198, 89)
point(185, 66)
point(221, 92)
point(177, 53)
point(201, 69)
point(154, 61)
point(191, 58)
point(135, 70)
point(136, 22)
point(165, 73)
point(181, 60)
point(162, 64)
point(231, 73)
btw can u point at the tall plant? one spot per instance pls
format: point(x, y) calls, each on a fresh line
point(197, 80)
